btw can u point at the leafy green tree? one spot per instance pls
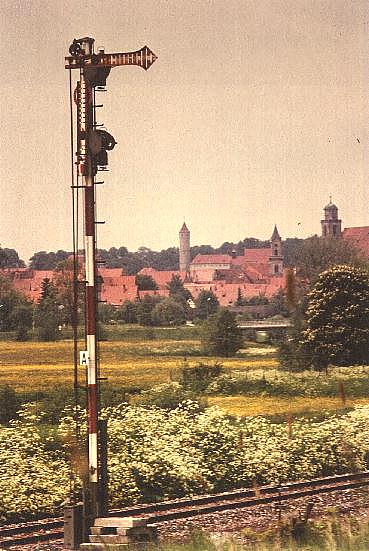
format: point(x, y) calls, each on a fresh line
point(21, 319)
point(9, 258)
point(317, 254)
point(66, 288)
point(43, 260)
point(177, 291)
point(107, 313)
point(128, 312)
point(206, 304)
point(48, 313)
point(145, 308)
point(168, 312)
point(221, 335)
point(145, 283)
point(9, 300)
point(337, 318)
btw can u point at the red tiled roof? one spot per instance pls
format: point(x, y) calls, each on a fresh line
point(227, 293)
point(257, 255)
point(359, 237)
point(112, 272)
point(119, 294)
point(162, 277)
point(212, 259)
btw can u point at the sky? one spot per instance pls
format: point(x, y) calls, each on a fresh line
point(253, 114)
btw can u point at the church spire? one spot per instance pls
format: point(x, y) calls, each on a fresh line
point(275, 234)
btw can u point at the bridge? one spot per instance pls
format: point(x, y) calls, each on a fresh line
point(266, 324)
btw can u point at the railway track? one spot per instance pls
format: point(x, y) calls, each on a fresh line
point(156, 513)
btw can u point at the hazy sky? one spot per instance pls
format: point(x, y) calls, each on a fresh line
point(254, 112)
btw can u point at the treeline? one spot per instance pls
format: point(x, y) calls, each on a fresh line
point(133, 262)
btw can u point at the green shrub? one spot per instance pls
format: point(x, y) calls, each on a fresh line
point(166, 396)
point(197, 378)
point(9, 404)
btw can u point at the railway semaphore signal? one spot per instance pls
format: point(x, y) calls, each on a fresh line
point(93, 145)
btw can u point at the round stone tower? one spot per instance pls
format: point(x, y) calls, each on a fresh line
point(184, 249)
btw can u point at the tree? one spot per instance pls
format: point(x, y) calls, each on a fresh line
point(337, 318)
point(145, 308)
point(47, 261)
point(145, 283)
point(221, 334)
point(9, 300)
point(177, 291)
point(168, 312)
point(317, 254)
point(63, 283)
point(21, 319)
point(9, 258)
point(47, 316)
point(128, 312)
point(107, 313)
point(206, 304)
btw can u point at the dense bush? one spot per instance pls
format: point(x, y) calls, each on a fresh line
point(166, 396)
point(198, 377)
point(354, 380)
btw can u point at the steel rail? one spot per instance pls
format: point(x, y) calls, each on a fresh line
point(51, 529)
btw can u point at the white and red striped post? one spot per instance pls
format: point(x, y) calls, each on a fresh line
point(91, 153)
point(85, 125)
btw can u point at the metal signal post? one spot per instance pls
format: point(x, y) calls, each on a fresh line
point(91, 156)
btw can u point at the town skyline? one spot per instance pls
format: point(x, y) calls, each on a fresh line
point(260, 133)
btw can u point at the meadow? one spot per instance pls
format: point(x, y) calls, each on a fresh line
point(252, 383)
point(35, 366)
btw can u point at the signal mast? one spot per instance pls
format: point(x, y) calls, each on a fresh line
point(93, 143)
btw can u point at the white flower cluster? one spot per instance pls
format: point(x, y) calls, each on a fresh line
point(156, 454)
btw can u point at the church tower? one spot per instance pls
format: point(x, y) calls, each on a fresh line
point(276, 255)
point(331, 225)
point(184, 249)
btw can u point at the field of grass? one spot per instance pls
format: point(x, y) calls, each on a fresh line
point(281, 406)
point(35, 366)
point(259, 388)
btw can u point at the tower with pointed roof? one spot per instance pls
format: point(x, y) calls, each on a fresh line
point(276, 254)
point(331, 225)
point(184, 249)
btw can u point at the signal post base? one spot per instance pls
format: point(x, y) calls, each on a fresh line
point(120, 533)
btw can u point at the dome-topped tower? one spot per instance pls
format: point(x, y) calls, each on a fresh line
point(184, 248)
point(331, 225)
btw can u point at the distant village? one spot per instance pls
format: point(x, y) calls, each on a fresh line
point(258, 272)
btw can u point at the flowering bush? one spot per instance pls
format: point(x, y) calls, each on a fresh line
point(156, 454)
point(34, 479)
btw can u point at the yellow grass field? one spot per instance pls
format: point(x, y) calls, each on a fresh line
point(265, 405)
point(35, 366)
